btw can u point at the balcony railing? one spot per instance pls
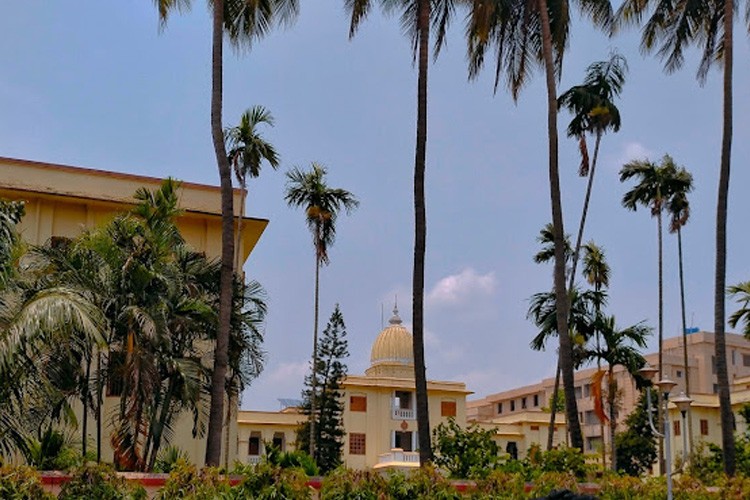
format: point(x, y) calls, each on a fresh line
point(399, 456)
point(253, 459)
point(403, 414)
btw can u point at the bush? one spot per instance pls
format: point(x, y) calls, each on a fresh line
point(52, 452)
point(563, 459)
point(293, 459)
point(22, 482)
point(706, 463)
point(347, 484)
point(465, 453)
point(168, 459)
point(100, 482)
point(547, 482)
point(511, 484)
point(185, 481)
point(424, 483)
point(266, 481)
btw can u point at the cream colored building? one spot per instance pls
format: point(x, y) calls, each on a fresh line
point(379, 409)
point(526, 407)
point(61, 201)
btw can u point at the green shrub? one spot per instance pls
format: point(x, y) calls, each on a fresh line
point(293, 459)
point(620, 488)
point(547, 482)
point(510, 484)
point(186, 481)
point(424, 483)
point(466, 453)
point(100, 482)
point(347, 484)
point(563, 459)
point(267, 482)
point(168, 459)
point(21, 483)
point(706, 463)
point(53, 451)
point(735, 487)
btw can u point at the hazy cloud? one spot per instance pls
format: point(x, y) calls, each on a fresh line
point(457, 289)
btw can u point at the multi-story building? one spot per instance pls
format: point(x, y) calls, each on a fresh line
point(61, 201)
point(379, 409)
point(526, 408)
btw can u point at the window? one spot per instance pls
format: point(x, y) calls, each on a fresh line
point(523, 403)
point(590, 418)
point(679, 373)
point(713, 365)
point(587, 391)
point(448, 408)
point(716, 388)
point(357, 443)
point(704, 427)
point(578, 392)
point(402, 400)
point(358, 403)
point(278, 441)
point(534, 427)
point(499, 408)
point(536, 400)
point(253, 445)
point(115, 369)
point(746, 360)
point(734, 355)
point(513, 405)
point(403, 440)
point(676, 426)
point(512, 449)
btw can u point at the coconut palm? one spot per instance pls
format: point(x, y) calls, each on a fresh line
point(679, 212)
point(417, 17)
point(709, 25)
point(594, 112)
point(656, 185)
point(322, 204)
point(244, 22)
point(247, 152)
point(618, 347)
point(741, 292)
point(527, 33)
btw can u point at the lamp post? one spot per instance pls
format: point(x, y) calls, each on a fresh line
point(683, 404)
point(665, 387)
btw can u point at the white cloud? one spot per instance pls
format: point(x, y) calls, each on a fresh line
point(633, 151)
point(457, 289)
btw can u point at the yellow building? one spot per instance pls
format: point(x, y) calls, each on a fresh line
point(61, 201)
point(379, 409)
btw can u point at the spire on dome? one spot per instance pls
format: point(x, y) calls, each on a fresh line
point(395, 319)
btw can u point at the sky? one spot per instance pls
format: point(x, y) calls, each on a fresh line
point(99, 85)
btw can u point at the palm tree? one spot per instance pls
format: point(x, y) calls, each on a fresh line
point(527, 33)
point(594, 112)
point(656, 185)
point(247, 151)
point(709, 25)
point(617, 349)
point(741, 292)
point(416, 18)
point(322, 204)
point(244, 22)
point(679, 211)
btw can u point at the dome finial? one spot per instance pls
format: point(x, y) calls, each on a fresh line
point(395, 319)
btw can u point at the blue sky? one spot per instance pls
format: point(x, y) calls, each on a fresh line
point(97, 84)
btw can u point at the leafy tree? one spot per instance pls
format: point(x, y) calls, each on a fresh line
point(243, 22)
point(636, 447)
point(466, 453)
point(417, 18)
point(325, 398)
point(322, 205)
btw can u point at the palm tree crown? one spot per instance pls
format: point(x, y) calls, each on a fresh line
point(247, 147)
point(657, 183)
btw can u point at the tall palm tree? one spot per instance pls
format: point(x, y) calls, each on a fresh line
point(417, 16)
point(709, 25)
point(528, 33)
point(244, 22)
point(322, 205)
point(741, 292)
point(594, 112)
point(247, 151)
point(656, 185)
point(619, 347)
point(679, 213)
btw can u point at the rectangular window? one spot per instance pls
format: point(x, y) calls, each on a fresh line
point(716, 388)
point(403, 440)
point(402, 400)
point(746, 360)
point(499, 408)
point(734, 355)
point(278, 441)
point(523, 403)
point(704, 427)
point(253, 446)
point(448, 408)
point(676, 426)
point(358, 403)
point(578, 392)
point(534, 427)
point(536, 400)
point(590, 418)
point(679, 373)
point(357, 443)
point(587, 391)
point(513, 405)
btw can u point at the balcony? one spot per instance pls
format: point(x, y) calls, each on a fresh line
point(398, 459)
point(404, 414)
point(253, 459)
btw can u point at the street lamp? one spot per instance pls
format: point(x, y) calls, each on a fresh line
point(683, 404)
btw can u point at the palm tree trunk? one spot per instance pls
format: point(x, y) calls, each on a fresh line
point(216, 413)
point(553, 408)
point(161, 423)
point(99, 389)
point(85, 423)
point(420, 238)
point(238, 240)
point(612, 419)
point(584, 213)
point(659, 413)
point(561, 296)
point(686, 370)
point(727, 431)
point(314, 395)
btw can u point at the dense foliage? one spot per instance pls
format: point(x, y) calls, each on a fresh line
point(636, 447)
point(465, 452)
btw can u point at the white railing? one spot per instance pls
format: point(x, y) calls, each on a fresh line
point(403, 414)
point(253, 459)
point(399, 455)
